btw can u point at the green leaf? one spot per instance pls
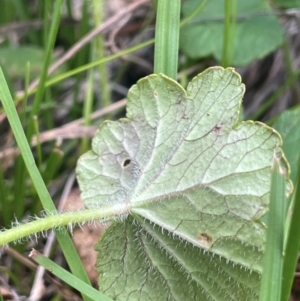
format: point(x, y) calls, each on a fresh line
point(257, 31)
point(196, 183)
point(13, 60)
point(283, 4)
point(140, 262)
point(288, 125)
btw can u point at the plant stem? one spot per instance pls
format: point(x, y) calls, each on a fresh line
point(99, 46)
point(229, 28)
point(167, 37)
point(56, 221)
point(49, 49)
point(88, 108)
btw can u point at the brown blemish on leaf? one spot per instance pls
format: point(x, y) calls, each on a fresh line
point(216, 129)
point(205, 239)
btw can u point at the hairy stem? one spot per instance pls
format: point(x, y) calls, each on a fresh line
point(56, 221)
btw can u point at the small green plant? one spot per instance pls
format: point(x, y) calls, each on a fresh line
point(188, 175)
point(184, 178)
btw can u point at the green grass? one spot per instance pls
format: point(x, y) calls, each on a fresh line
point(273, 258)
point(67, 277)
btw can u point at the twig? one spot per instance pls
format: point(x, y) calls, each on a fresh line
point(128, 57)
point(6, 30)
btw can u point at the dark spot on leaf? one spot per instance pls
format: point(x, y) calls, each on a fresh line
point(178, 102)
point(126, 162)
point(205, 238)
point(184, 116)
point(216, 129)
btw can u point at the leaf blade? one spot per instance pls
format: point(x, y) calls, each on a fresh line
point(184, 164)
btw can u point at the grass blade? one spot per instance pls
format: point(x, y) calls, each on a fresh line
point(272, 265)
point(167, 37)
point(68, 277)
point(293, 243)
point(52, 165)
point(49, 49)
point(99, 49)
point(4, 209)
